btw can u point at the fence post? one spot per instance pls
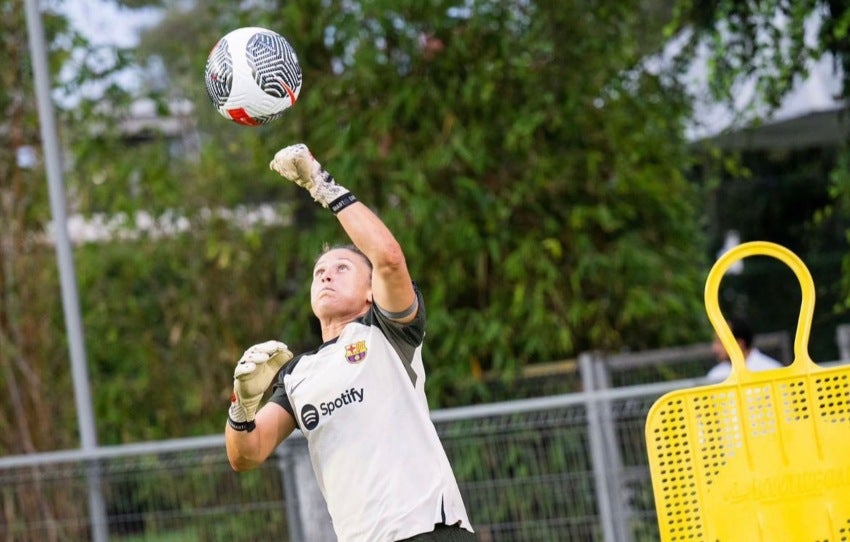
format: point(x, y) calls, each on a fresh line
point(842, 338)
point(306, 511)
point(596, 437)
point(613, 458)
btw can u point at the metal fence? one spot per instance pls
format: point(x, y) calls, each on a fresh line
point(566, 467)
point(181, 490)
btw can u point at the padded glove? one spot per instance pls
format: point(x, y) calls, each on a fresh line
point(297, 164)
point(251, 378)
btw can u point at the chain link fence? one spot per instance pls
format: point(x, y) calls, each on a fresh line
point(162, 491)
point(565, 467)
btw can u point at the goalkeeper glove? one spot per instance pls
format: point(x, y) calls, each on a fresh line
point(297, 164)
point(253, 375)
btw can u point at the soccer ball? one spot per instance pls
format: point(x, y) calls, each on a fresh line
point(252, 75)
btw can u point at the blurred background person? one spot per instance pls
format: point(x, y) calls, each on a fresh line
point(756, 359)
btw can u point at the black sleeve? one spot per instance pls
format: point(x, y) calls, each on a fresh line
point(405, 338)
point(279, 395)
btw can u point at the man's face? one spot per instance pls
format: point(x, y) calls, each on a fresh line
point(341, 284)
point(718, 350)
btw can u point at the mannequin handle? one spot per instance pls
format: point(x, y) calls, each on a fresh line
point(807, 305)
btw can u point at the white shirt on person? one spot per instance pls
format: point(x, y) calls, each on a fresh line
point(360, 401)
point(756, 361)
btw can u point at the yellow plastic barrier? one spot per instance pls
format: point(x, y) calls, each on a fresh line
point(762, 456)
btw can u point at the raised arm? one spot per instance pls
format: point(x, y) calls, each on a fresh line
point(392, 287)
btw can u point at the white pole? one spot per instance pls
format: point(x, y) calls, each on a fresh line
point(68, 281)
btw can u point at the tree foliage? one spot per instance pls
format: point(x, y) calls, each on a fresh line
point(773, 42)
point(795, 197)
point(535, 178)
point(31, 326)
point(533, 171)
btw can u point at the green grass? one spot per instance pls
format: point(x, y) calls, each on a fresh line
point(185, 535)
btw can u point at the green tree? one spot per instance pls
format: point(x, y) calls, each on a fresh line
point(534, 172)
point(796, 197)
point(31, 351)
point(37, 407)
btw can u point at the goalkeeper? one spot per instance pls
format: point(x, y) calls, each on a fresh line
point(359, 398)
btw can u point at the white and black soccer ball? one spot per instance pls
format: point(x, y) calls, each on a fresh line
point(252, 75)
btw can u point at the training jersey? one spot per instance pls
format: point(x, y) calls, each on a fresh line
point(360, 401)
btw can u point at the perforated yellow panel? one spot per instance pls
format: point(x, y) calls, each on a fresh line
point(762, 456)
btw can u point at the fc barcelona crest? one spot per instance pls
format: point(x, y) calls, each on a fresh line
point(356, 352)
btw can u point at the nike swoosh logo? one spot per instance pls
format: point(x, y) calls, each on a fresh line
point(297, 384)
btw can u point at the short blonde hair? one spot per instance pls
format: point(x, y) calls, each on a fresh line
point(344, 246)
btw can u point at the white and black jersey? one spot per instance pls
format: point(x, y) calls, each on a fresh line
point(360, 402)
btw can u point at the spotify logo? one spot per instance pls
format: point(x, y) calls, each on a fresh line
point(309, 417)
